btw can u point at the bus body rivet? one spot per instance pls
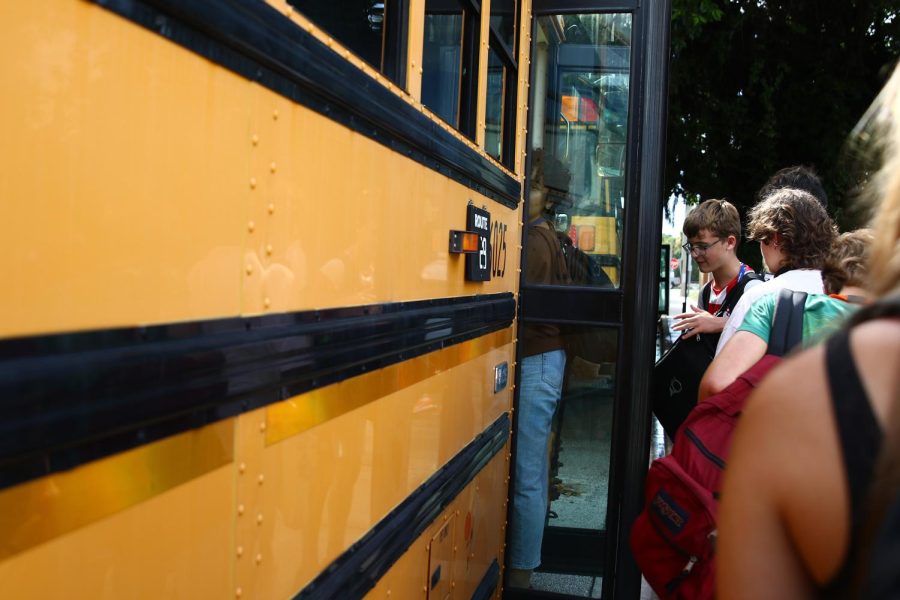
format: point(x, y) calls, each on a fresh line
point(238, 592)
point(242, 467)
point(267, 302)
point(275, 114)
point(271, 206)
point(259, 519)
point(249, 270)
point(261, 479)
point(251, 226)
point(262, 426)
point(255, 139)
point(258, 558)
point(273, 167)
point(241, 509)
point(269, 249)
point(240, 550)
point(253, 182)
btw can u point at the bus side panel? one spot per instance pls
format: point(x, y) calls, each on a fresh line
point(478, 531)
point(170, 189)
point(124, 174)
point(279, 512)
point(336, 481)
point(175, 544)
point(339, 219)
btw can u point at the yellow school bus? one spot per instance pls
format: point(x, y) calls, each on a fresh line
point(259, 338)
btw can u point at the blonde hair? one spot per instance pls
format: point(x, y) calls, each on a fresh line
point(883, 119)
point(848, 261)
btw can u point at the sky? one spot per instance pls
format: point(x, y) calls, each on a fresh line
point(673, 227)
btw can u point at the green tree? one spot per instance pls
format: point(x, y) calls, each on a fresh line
point(674, 244)
point(757, 85)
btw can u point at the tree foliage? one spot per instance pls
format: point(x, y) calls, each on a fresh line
point(757, 85)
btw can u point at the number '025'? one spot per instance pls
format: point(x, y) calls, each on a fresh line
point(498, 250)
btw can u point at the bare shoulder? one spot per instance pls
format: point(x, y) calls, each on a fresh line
point(794, 386)
point(876, 353)
point(786, 450)
point(881, 334)
point(774, 468)
point(785, 416)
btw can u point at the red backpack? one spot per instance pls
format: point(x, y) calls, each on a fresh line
point(673, 540)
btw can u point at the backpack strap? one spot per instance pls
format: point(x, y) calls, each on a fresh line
point(787, 322)
point(704, 295)
point(735, 294)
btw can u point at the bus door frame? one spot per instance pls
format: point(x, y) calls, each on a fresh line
point(632, 308)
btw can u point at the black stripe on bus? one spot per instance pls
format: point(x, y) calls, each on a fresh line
point(252, 39)
point(488, 583)
point(70, 398)
point(360, 567)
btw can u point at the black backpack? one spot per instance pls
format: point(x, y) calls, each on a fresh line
point(676, 377)
point(583, 269)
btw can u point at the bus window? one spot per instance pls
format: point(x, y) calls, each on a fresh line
point(442, 59)
point(500, 105)
point(503, 22)
point(496, 88)
point(450, 62)
point(580, 124)
point(371, 29)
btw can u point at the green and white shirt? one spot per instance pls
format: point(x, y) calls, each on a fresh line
point(822, 315)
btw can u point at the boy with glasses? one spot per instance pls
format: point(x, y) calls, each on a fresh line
point(713, 230)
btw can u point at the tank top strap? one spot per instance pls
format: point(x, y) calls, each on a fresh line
point(860, 439)
point(858, 429)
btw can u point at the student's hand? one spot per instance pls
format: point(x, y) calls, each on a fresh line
point(698, 321)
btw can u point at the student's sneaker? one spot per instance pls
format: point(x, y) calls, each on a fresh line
point(519, 578)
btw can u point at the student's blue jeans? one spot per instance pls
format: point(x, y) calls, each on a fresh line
point(539, 391)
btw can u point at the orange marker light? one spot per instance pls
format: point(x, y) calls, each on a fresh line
point(463, 242)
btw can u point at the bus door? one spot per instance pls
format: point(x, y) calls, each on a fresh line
point(595, 150)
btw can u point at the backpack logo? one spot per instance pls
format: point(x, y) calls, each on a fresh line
point(673, 516)
point(675, 387)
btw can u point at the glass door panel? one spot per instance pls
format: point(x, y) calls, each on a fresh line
point(588, 296)
point(580, 121)
point(576, 215)
point(581, 452)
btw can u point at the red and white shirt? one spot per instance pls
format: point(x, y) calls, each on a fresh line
point(717, 295)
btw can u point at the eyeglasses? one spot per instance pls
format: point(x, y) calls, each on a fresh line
point(699, 249)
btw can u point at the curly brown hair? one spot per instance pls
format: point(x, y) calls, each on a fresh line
point(805, 229)
point(848, 261)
